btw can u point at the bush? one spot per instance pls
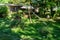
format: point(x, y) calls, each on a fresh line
point(3, 11)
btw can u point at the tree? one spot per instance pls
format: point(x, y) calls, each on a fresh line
point(4, 1)
point(16, 1)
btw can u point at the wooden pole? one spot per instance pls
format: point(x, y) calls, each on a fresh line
point(30, 15)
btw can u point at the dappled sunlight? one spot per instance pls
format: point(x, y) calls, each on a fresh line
point(25, 37)
point(16, 29)
point(5, 31)
point(31, 31)
point(29, 20)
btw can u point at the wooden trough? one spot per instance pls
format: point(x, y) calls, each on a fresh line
point(14, 7)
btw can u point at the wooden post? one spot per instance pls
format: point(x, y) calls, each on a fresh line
point(29, 11)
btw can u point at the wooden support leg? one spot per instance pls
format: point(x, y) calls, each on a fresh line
point(30, 17)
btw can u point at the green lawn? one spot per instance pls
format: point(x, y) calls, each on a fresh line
point(42, 30)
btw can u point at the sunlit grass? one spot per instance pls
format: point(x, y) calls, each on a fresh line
point(31, 31)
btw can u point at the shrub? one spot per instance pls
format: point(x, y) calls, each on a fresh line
point(3, 11)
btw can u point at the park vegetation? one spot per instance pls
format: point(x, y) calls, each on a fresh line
point(40, 20)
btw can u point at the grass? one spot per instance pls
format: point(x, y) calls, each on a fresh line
point(44, 30)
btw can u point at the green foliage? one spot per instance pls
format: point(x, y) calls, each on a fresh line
point(19, 27)
point(4, 1)
point(17, 1)
point(58, 10)
point(30, 31)
point(3, 11)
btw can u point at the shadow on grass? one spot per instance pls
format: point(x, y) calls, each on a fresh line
point(5, 31)
point(43, 30)
point(33, 31)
